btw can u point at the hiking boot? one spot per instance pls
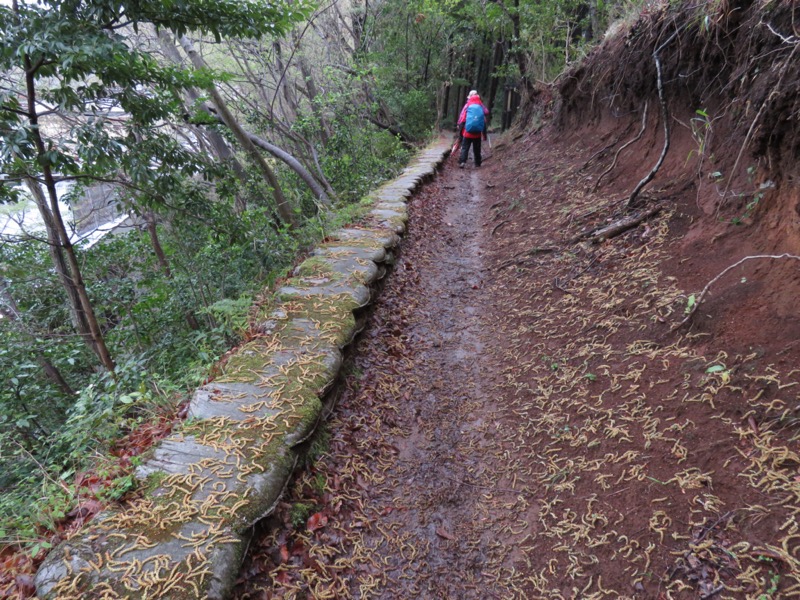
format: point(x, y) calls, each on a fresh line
point(460, 165)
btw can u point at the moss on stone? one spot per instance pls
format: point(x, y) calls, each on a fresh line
point(315, 266)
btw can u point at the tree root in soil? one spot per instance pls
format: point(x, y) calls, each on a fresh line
point(702, 295)
point(664, 117)
point(625, 145)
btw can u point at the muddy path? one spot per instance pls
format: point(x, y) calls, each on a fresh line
point(520, 420)
point(410, 496)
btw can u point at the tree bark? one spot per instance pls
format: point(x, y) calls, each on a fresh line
point(218, 143)
point(494, 82)
point(284, 88)
point(284, 209)
point(321, 189)
point(313, 95)
point(57, 256)
point(295, 165)
point(94, 339)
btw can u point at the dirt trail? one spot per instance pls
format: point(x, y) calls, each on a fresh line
point(520, 421)
point(413, 494)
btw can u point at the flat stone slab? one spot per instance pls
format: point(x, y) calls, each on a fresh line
point(205, 485)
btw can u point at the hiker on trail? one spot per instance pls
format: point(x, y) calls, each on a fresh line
point(472, 124)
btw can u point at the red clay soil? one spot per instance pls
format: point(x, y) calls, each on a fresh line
point(526, 417)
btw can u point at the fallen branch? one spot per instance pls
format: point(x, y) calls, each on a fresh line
point(718, 277)
point(664, 117)
point(628, 143)
point(498, 226)
point(623, 225)
point(616, 228)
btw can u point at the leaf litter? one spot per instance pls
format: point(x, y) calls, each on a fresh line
point(501, 436)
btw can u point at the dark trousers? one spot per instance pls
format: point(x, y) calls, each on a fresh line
point(476, 149)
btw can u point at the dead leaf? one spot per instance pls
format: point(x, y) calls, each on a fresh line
point(443, 533)
point(317, 521)
point(85, 509)
point(25, 586)
point(753, 424)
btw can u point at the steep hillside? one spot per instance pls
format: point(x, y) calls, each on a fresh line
point(731, 95)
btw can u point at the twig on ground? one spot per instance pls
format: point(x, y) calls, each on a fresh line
point(718, 277)
point(499, 225)
point(713, 592)
point(558, 284)
point(518, 258)
point(625, 145)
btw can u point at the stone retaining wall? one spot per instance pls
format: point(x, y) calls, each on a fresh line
point(227, 467)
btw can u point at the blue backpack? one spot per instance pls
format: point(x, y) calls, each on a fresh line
point(475, 120)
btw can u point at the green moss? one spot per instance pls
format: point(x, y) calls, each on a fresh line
point(315, 266)
point(152, 482)
point(300, 513)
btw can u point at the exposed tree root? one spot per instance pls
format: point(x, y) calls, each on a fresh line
point(628, 143)
point(664, 117)
point(756, 120)
point(718, 277)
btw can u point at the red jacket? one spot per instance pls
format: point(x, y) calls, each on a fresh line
point(463, 118)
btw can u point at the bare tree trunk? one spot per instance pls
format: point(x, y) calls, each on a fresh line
point(57, 256)
point(284, 209)
point(150, 220)
point(218, 143)
point(594, 21)
point(290, 108)
point(223, 152)
point(358, 18)
point(313, 98)
point(290, 160)
point(95, 338)
point(494, 82)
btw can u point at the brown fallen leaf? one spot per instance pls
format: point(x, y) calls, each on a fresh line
point(443, 533)
point(25, 586)
point(317, 521)
point(753, 425)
